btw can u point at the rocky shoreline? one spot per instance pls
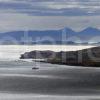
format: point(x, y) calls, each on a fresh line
point(86, 57)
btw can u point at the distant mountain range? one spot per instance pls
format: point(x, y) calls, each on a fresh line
point(63, 36)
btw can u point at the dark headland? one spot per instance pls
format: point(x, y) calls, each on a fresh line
point(86, 57)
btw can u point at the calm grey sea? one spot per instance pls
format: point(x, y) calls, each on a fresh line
point(19, 82)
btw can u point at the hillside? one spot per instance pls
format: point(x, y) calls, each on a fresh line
point(86, 57)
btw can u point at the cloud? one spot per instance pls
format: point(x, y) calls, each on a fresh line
point(48, 14)
point(18, 21)
point(53, 7)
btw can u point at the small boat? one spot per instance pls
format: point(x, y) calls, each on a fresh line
point(35, 68)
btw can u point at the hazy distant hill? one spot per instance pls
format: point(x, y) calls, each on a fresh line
point(68, 36)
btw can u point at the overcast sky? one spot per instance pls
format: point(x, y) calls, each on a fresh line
point(48, 14)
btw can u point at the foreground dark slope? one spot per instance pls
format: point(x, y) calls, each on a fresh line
point(86, 57)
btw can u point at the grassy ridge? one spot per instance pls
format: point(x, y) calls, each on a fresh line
point(86, 57)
